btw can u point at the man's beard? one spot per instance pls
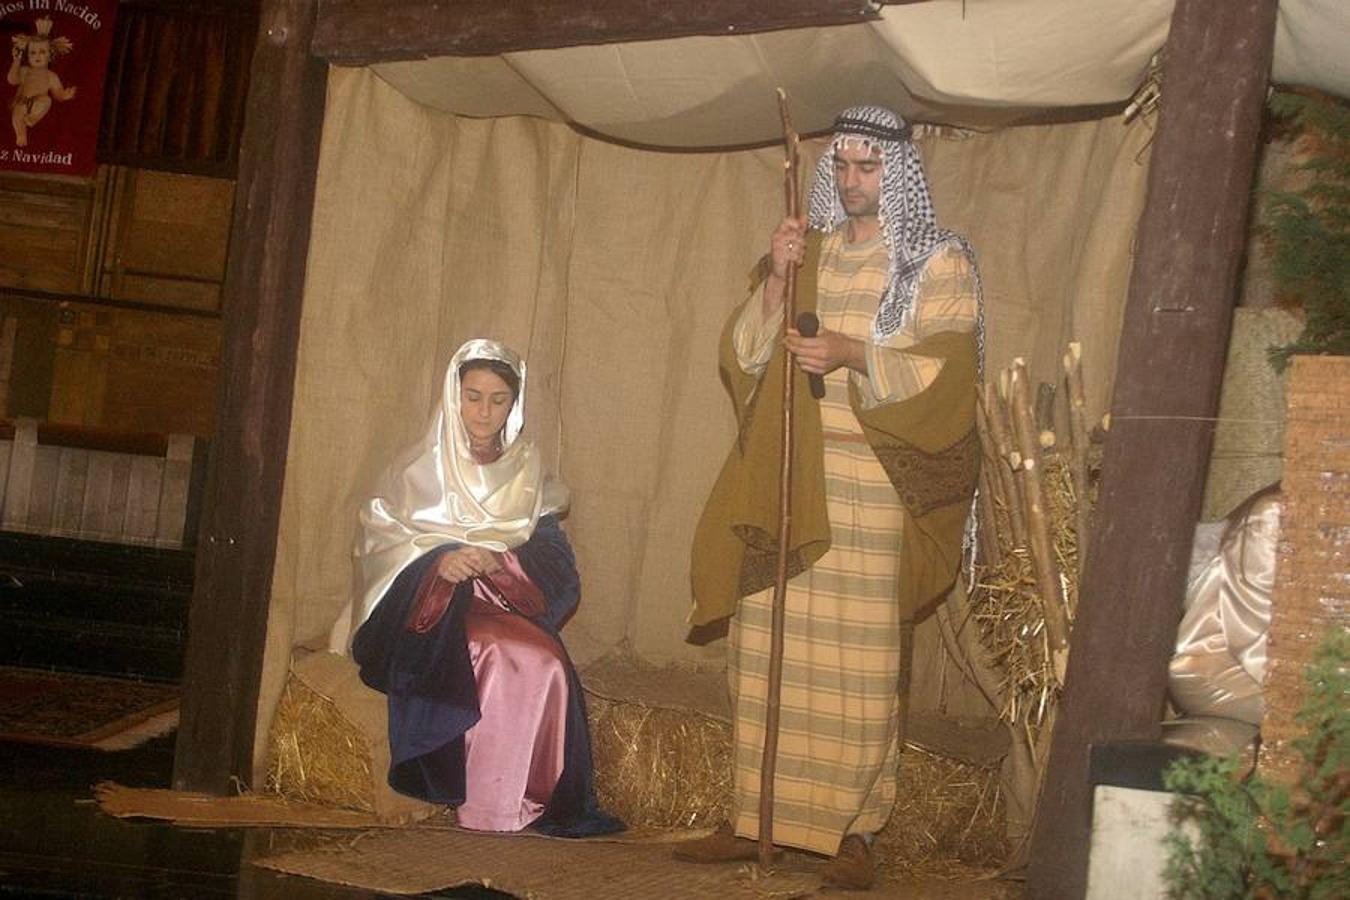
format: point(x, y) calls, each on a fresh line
point(861, 207)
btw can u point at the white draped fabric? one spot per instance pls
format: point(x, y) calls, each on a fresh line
point(975, 63)
point(1220, 660)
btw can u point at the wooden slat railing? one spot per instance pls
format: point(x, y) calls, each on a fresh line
point(98, 484)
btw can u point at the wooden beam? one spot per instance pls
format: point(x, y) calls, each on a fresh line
point(359, 32)
point(1175, 335)
point(264, 279)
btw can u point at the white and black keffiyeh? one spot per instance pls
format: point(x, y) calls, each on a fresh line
point(908, 224)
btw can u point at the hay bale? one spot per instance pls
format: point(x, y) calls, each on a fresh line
point(660, 767)
point(672, 768)
point(316, 754)
point(655, 766)
point(329, 742)
point(948, 817)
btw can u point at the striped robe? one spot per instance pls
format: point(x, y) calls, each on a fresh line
point(837, 746)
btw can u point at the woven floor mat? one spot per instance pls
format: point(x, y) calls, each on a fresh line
point(434, 855)
point(541, 868)
point(412, 862)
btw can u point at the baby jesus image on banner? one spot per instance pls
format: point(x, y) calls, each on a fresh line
point(58, 54)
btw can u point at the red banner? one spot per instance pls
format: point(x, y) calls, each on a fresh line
point(56, 59)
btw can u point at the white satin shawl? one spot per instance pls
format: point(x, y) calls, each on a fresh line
point(1220, 659)
point(437, 494)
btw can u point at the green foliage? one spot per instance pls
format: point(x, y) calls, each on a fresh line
point(1259, 840)
point(1309, 231)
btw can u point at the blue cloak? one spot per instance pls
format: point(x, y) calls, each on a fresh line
point(433, 695)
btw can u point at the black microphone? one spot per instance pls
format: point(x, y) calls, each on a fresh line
point(807, 326)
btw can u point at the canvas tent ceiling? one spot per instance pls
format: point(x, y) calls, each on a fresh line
point(974, 63)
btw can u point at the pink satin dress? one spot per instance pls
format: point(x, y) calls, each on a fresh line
point(514, 754)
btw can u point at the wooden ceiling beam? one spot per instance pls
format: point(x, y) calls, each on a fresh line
point(359, 32)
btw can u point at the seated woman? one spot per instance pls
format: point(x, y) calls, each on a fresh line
point(464, 579)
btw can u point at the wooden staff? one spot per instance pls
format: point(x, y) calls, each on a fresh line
point(995, 420)
point(1078, 446)
point(1037, 518)
point(991, 488)
point(991, 555)
point(768, 762)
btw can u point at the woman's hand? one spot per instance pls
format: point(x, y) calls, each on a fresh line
point(457, 566)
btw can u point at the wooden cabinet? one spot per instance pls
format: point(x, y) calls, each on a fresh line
point(46, 226)
point(155, 238)
point(110, 294)
point(165, 238)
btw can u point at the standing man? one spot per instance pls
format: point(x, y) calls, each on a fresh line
point(885, 470)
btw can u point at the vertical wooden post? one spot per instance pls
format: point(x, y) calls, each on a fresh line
point(264, 279)
point(1172, 347)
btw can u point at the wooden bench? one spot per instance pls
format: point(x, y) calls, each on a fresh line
point(97, 530)
point(99, 485)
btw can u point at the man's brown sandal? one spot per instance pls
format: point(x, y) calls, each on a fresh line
point(852, 867)
point(721, 846)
